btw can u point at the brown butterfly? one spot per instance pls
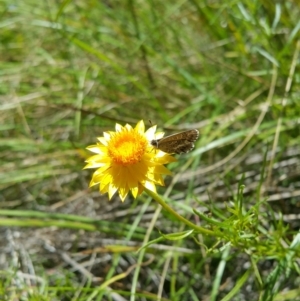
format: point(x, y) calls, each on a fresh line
point(177, 143)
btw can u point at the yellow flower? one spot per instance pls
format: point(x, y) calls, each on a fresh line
point(125, 160)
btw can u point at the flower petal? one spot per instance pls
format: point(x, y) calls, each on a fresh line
point(140, 127)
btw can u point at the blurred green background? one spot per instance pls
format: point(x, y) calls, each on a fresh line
point(70, 70)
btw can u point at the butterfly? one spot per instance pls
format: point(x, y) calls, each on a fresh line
point(177, 143)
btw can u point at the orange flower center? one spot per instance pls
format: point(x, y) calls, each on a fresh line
point(127, 147)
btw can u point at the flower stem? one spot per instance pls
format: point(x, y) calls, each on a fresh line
point(159, 200)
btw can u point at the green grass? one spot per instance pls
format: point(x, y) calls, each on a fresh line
point(71, 70)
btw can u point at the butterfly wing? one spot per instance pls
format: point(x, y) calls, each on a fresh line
point(177, 147)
